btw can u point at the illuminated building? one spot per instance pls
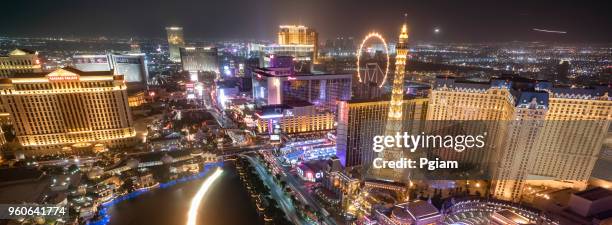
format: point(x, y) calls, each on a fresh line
point(310, 171)
point(341, 46)
point(507, 217)
point(195, 90)
point(199, 59)
point(19, 61)
point(317, 170)
point(546, 136)
point(92, 62)
point(591, 206)
point(418, 212)
point(284, 64)
point(225, 91)
point(175, 42)
point(68, 107)
point(293, 117)
point(309, 149)
point(136, 99)
point(344, 186)
point(133, 67)
point(291, 35)
point(301, 53)
point(276, 85)
point(468, 209)
point(360, 120)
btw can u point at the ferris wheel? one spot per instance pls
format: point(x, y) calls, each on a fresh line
point(371, 72)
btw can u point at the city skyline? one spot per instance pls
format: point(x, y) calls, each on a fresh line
point(445, 21)
point(184, 115)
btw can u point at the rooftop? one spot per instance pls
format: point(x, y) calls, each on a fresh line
point(523, 89)
point(20, 51)
point(594, 193)
point(69, 69)
point(420, 209)
point(518, 219)
point(19, 174)
point(269, 72)
point(384, 98)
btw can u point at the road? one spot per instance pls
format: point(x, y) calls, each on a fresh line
point(65, 162)
point(277, 192)
point(234, 150)
point(222, 120)
point(298, 185)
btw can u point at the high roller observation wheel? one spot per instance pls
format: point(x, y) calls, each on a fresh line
point(368, 37)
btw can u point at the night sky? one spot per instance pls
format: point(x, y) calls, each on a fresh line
point(459, 20)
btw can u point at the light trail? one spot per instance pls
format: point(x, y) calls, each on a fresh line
point(192, 215)
point(550, 31)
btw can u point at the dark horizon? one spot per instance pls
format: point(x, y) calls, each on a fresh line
point(466, 21)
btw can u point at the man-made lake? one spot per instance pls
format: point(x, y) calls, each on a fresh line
point(226, 203)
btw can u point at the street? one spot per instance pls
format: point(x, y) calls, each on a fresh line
point(277, 192)
point(298, 185)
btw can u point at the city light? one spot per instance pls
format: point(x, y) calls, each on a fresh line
point(363, 42)
point(192, 216)
point(105, 118)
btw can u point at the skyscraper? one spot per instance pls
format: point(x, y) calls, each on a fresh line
point(360, 120)
point(19, 61)
point(294, 117)
point(199, 59)
point(301, 53)
point(546, 136)
point(175, 42)
point(292, 35)
point(89, 63)
point(132, 66)
point(68, 108)
point(275, 85)
point(341, 46)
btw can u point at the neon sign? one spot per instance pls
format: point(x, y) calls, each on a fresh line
point(62, 75)
point(63, 78)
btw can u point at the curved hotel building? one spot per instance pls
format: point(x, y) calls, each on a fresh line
point(68, 108)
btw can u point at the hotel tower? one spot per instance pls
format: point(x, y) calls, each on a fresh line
point(545, 136)
point(295, 37)
point(67, 109)
point(175, 42)
point(19, 61)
